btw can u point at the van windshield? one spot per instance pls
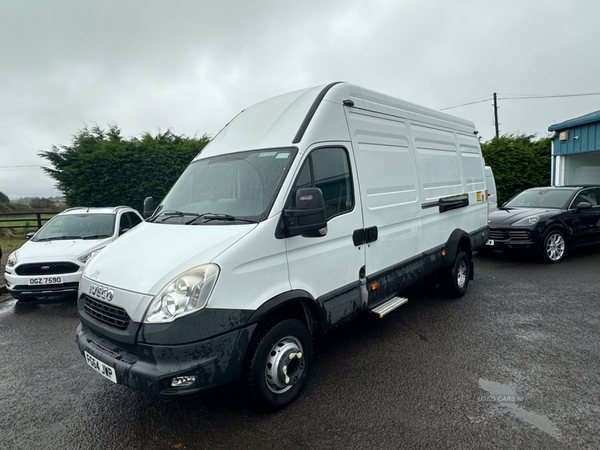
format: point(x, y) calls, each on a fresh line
point(234, 188)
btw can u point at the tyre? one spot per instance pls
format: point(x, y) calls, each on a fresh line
point(554, 247)
point(456, 277)
point(279, 364)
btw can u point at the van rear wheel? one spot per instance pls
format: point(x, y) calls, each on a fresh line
point(279, 364)
point(456, 277)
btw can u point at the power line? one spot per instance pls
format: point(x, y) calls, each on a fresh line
point(495, 98)
point(486, 99)
point(534, 96)
point(20, 167)
point(517, 97)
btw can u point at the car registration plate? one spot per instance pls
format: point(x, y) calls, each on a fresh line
point(103, 369)
point(490, 242)
point(44, 280)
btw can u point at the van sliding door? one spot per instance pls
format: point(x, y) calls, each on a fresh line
point(389, 188)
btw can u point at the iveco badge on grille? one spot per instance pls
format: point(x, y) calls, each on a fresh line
point(101, 292)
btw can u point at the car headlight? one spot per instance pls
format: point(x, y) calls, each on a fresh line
point(527, 221)
point(84, 258)
point(12, 259)
point(187, 293)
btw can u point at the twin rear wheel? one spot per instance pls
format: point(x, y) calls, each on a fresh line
point(279, 364)
point(456, 277)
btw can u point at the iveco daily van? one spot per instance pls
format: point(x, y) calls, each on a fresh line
point(304, 211)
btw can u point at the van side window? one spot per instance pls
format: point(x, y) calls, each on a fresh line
point(329, 170)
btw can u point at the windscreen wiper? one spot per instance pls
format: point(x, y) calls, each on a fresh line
point(171, 214)
point(97, 236)
point(214, 216)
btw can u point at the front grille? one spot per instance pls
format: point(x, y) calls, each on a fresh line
point(54, 268)
point(64, 287)
point(496, 235)
point(519, 235)
point(112, 315)
point(509, 235)
point(129, 348)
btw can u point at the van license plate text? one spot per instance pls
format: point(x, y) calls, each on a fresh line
point(103, 369)
point(44, 280)
point(490, 242)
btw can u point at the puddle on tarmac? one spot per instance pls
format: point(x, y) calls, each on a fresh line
point(506, 396)
point(7, 304)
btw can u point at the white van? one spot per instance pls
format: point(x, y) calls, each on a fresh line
point(304, 211)
point(490, 184)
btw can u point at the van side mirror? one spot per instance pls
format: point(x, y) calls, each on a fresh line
point(148, 207)
point(583, 205)
point(308, 218)
point(30, 235)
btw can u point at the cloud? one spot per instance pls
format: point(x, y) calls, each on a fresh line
point(191, 66)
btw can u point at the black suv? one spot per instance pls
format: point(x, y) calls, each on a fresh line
point(548, 220)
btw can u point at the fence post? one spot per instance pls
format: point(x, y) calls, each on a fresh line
point(39, 220)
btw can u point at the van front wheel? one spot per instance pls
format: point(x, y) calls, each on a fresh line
point(279, 364)
point(457, 276)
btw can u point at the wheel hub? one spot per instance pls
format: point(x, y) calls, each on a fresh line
point(555, 247)
point(285, 365)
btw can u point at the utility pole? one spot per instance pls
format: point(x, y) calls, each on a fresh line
point(496, 115)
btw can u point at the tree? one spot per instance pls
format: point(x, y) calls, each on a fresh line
point(41, 203)
point(4, 198)
point(101, 168)
point(519, 162)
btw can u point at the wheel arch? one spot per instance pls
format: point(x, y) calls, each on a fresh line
point(556, 226)
point(458, 240)
point(296, 304)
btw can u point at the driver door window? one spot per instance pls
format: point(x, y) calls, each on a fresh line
point(329, 170)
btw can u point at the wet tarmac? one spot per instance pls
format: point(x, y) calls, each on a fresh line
point(513, 364)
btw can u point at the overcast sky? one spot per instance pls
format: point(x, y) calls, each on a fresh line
point(191, 65)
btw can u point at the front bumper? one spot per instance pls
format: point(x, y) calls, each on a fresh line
point(514, 239)
point(18, 285)
point(150, 368)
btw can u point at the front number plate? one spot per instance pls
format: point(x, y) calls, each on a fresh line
point(44, 280)
point(490, 242)
point(103, 369)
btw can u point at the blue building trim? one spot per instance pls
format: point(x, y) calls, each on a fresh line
point(583, 135)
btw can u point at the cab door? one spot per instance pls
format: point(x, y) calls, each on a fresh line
point(330, 267)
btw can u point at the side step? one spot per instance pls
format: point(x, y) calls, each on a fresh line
point(389, 306)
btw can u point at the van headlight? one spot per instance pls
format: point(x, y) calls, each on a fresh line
point(526, 222)
point(187, 293)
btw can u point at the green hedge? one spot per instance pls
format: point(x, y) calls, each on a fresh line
point(101, 168)
point(519, 162)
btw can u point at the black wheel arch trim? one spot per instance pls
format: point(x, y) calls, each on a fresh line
point(454, 243)
point(309, 305)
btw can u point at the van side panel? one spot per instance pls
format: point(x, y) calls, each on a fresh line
point(388, 183)
point(473, 166)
